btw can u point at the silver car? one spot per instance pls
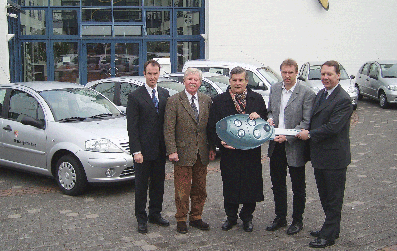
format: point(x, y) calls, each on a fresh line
point(64, 130)
point(378, 80)
point(310, 72)
point(212, 84)
point(117, 88)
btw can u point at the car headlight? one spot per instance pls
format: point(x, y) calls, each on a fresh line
point(392, 87)
point(102, 145)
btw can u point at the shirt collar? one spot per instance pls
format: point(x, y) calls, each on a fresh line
point(150, 89)
point(290, 90)
point(189, 96)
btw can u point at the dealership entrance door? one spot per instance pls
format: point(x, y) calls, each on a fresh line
point(106, 59)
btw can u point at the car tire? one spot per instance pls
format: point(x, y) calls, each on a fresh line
point(70, 175)
point(359, 95)
point(383, 100)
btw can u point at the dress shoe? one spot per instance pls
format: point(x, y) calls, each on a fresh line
point(142, 227)
point(159, 221)
point(199, 224)
point(181, 227)
point(295, 228)
point(248, 226)
point(277, 223)
point(317, 234)
point(228, 225)
point(321, 243)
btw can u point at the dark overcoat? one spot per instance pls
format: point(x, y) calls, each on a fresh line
point(241, 170)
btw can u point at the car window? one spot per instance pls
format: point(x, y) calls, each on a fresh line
point(343, 73)
point(269, 75)
point(2, 95)
point(177, 86)
point(23, 104)
point(254, 80)
point(366, 69)
point(389, 70)
point(208, 89)
point(106, 88)
point(125, 89)
point(315, 72)
point(373, 71)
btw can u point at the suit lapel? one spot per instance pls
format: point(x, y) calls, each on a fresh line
point(294, 95)
point(186, 104)
point(326, 102)
point(147, 98)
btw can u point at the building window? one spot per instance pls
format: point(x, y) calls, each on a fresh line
point(64, 22)
point(158, 22)
point(188, 23)
point(34, 61)
point(187, 51)
point(66, 61)
point(33, 22)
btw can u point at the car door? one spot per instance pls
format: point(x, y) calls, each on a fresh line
point(363, 80)
point(24, 145)
point(374, 83)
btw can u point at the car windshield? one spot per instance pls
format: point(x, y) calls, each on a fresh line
point(315, 73)
point(270, 76)
point(78, 104)
point(389, 70)
point(173, 85)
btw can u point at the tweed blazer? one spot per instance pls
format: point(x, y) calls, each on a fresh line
point(296, 116)
point(183, 133)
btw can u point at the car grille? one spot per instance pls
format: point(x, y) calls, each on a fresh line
point(129, 171)
point(125, 146)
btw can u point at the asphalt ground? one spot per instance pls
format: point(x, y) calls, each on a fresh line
point(35, 215)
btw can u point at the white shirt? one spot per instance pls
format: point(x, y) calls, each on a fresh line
point(189, 97)
point(285, 96)
point(150, 91)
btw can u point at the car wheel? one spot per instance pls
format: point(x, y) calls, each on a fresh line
point(359, 96)
point(382, 100)
point(70, 175)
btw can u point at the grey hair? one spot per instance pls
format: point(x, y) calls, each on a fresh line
point(239, 70)
point(193, 71)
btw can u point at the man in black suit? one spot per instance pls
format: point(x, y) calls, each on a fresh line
point(145, 119)
point(330, 150)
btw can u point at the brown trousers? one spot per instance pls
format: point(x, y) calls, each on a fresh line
point(190, 182)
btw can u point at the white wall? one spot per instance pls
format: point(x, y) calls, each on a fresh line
point(351, 31)
point(4, 62)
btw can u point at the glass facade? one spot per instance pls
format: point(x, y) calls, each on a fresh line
point(85, 40)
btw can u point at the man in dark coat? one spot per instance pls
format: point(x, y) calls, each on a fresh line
point(145, 119)
point(330, 150)
point(241, 170)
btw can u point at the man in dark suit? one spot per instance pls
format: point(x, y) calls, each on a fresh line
point(185, 133)
point(241, 170)
point(145, 119)
point(290, 106)
point(330, 150)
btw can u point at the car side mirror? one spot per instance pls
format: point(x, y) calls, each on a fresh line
point(301, 78)
point(32, 122)
point(373, 76)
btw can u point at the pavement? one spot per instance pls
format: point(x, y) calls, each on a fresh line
point(35, 215)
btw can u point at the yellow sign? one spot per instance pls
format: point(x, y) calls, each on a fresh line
point(324, 3)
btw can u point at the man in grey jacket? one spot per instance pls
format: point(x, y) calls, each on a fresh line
point(290, 105)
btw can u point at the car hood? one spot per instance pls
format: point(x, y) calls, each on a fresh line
point(114, 129)
point(389, 81)
point(318, 85)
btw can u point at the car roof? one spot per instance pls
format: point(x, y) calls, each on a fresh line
point(386, 61)
point(47, 85)
point(206, 62)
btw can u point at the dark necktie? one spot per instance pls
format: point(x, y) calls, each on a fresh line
point(323, 97)
point(154, 99)
point(194, 107)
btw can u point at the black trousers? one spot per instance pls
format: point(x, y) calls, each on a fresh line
point(278, 174)
point(331, 189)
point(150, 173)
point(245, 214)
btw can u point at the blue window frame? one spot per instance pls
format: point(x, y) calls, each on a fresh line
point(167, 28)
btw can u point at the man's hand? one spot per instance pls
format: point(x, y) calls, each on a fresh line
point(173, 157)
point(303, 134)
point(280, 138)
point(254, 115)
point(138, 157)
point(271, 122)
point(226, 145)
point(212, 155)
